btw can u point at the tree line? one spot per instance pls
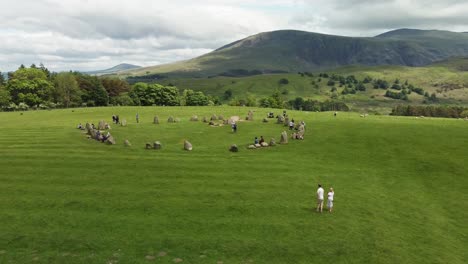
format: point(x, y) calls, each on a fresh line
point(430, 111)
point(38, 88)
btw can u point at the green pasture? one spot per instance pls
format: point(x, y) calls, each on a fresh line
point(400, 189)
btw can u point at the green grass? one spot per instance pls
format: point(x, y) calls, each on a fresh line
point(400, 187)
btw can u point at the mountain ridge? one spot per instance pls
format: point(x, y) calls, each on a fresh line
point(115, 69)
point(293, 50)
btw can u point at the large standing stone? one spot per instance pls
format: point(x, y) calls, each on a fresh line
point(284, 138)
point(301, 128)
point(93, 133)
point(170, 119)
point(286, 121)
point(205, 120)
point(213, 117)
point(272, 142)
point(280, 119)
point(157, 145)
point(156, 120)
point(265, 120)
point(110, 140)
point(220, 117)
point(102, 125)
point(234, 148)
point(194, 118)
point(187, 145)
point(250, 116)
point(88, 128)
point(123, 123)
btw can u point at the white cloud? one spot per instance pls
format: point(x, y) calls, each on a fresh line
point(95, 34)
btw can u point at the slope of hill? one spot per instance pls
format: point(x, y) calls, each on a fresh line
point(115, 69)
point(290, 50)
point(447, 80)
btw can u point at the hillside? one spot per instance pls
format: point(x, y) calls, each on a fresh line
point(448, 80)
point(115, 69)
point(292, 51)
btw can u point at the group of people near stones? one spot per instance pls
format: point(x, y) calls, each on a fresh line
point(320, 196)
point(99, 133)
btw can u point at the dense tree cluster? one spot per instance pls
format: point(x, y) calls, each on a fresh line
point(311, 105)
point(430, 110)
point(37, 88)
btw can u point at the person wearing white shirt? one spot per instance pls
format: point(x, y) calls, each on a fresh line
point(320, 198)
point(331, 193)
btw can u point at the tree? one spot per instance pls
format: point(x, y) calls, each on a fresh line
point(115, 86)
point(2, 79)
point(154, 94)
point(5, 97)
point(227, 94)
point(283, 81)
point(66, 89)
point(29, 86)
point(195, 98)
point(93, 92)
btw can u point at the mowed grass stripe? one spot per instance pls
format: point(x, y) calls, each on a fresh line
point(399, 181)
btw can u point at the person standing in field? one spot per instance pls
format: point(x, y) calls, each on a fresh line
point(320, 198)
point(330, 195)
point(137, 118)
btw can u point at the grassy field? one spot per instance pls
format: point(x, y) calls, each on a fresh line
point(400, 190)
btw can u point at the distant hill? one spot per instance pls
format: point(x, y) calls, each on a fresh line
point(115, 69)
point(292, 51)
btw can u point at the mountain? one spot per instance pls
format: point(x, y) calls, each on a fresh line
point(115, 69)
point(291, 51)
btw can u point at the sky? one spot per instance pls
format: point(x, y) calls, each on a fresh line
point(98, 34)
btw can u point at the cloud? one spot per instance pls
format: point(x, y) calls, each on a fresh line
point(95, 34)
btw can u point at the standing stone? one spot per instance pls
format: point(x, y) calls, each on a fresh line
point(226, 122)
point(177, 120)
point(102, 125)
point(157, 145)
point(301, 128)
point(284, 138)
point(110, 140)
point(148, 146)
point(93, 133)
point(127, 143)
point(123, 123)
point(205, 120)
point(280, 119)
point(272, 142)
point(187, 145)
point(265, 120)
point(234, 148)
point(88, 128)
point(286, 121)
point(250, 116)
point(194, 118)
point(170, 119)
point(156, 120)
point(213, 117)
point(220, 117)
